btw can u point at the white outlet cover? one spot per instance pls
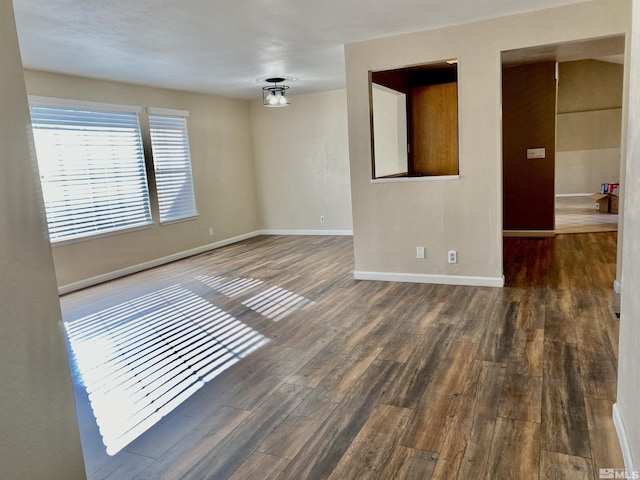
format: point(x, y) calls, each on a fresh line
point(420, 252)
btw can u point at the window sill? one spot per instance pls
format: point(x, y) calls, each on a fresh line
point(99, 235)
point(179, 220)
point(426, 178)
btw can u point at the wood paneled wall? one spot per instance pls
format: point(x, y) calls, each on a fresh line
point(528, 121)
point(434, 130)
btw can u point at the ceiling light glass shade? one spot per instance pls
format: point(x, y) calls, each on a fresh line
point(273, 96)
point(271, 100)
point(283, 101)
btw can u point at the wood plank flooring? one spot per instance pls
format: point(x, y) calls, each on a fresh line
point(376, 380)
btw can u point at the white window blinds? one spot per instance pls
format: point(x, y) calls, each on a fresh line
point(172, 164)
point(91, 166)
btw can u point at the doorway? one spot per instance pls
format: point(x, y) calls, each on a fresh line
point(589, 129)
point(586, 150)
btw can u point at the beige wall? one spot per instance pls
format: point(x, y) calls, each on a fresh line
point(629, 356)
point(589, 85)
point(37, 416)
point(589, 125)
point(302, 163)
point(463, 214)
point(221, 153)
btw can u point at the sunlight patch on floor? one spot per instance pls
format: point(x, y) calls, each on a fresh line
point(276, 303)
point(141, 359)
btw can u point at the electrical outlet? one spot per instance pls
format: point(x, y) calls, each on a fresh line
point(321, 218)
point(211, 231)
point(420, 252)
point(452, 256)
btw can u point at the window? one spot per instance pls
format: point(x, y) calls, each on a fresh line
point(92, 167)
point(172, 164)
point(414, 124)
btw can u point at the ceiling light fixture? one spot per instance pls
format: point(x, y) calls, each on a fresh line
point(273, 96)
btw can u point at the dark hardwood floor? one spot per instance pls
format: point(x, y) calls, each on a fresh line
point(371, 380)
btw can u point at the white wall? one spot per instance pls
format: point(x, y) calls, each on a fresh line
point(38, 422)
point(629, 355)
point(463, 214)
point(224, 182)
point(389, 130)
point(302, 163)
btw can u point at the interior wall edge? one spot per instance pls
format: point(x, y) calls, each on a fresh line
point(38, 418)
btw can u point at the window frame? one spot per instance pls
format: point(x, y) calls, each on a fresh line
point(158, 169)
point(139, 166)
point(408, 81)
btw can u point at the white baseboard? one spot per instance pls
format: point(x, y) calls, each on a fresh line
point(573, 194)
point(427, 278)
point(306, 232)
point(623, 439)
point(71, 287)
point(617, 287)
point(528, 233)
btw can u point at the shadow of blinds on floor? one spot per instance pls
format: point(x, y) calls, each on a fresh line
point(141, 359)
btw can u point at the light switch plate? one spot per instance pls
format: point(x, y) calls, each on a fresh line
point(536, 153)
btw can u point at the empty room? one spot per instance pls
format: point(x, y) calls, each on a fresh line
point(251, 240)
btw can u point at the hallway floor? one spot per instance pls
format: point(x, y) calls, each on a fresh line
point(579, 215)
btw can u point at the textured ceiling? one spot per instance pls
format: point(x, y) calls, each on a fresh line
point(224, 46)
